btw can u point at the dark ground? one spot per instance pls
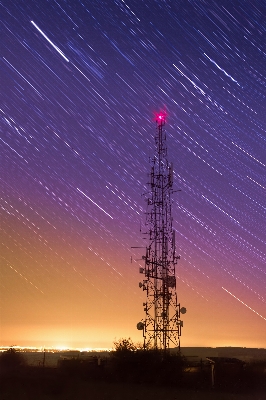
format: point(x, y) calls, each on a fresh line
point(48, 384)
point(130, 376)
point(81, 390)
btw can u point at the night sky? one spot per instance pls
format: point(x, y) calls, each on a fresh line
point(81, 82)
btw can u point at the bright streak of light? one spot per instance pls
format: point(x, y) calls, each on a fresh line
point(81, 72)
point(256, 182)
point(244, 304)
point(23, 77)
point(46, 37)
point(249, 154)
point(14, 150)
point(131, 10)
point(23, 277)
point(95, 203)
point(193, 83)
point(221, 69)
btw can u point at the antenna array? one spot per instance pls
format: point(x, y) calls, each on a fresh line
point(162, 325)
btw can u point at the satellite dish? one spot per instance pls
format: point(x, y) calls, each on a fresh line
point(140, 326)
point(183, 310)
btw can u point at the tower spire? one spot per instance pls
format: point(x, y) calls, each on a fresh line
point(161, 325)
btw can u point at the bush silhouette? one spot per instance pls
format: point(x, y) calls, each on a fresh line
point(11, 361)
point(133, 363)
point(125, 345)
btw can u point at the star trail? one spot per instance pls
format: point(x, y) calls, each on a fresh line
point(81, 83)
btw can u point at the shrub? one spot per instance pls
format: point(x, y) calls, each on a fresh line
point(11, 361)
point(132, 363)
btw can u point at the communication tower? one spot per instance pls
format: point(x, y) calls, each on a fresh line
point(162, 325)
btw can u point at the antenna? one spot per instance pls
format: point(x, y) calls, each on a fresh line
point(162, 325)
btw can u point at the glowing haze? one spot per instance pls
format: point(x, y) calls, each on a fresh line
point(80, 84)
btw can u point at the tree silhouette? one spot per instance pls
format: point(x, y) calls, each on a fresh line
point(125, 345)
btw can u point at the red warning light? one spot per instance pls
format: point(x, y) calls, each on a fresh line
point(160, 117)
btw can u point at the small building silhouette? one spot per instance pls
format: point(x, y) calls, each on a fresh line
point(226, 372)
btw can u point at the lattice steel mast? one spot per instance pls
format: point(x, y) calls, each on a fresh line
point(162, 325)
